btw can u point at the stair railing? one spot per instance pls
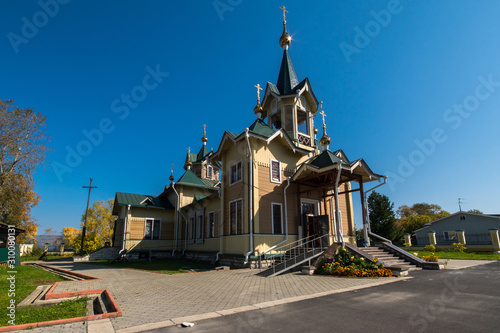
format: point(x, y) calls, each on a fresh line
point(293, 250)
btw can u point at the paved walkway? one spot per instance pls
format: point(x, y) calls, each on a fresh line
point(462, 263)
point(147, 298)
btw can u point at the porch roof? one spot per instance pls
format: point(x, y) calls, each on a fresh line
point(323, 169)
point(4, 228)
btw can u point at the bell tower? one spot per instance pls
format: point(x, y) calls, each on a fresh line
point(290, 105)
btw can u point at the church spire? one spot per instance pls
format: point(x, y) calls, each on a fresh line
point(287, 79)
point(325, 139)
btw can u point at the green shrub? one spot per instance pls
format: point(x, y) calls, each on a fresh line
point(430, 248)
point(459, 247)
point(37, 251)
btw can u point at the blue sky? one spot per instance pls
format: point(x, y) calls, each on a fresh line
point(411, 87)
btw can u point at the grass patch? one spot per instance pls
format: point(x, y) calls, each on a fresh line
point(459, 255)
point(27, 279)
point(168, 266)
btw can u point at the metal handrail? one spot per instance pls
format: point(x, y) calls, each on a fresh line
point(306, 243)
point(379, 237)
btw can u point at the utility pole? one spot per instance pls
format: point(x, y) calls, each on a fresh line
point(86, 213)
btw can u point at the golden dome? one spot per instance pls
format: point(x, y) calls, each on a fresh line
point(315, 131)
point(204, 139)
point(285, 39)
point(325, 140)
point(258, 108)
point(171, 178)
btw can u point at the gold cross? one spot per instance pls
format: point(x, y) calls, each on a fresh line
point(189, 149)
point(204, 128)
point(172, 165)
point(284, 11)
point(324, 115)
point(258, 91)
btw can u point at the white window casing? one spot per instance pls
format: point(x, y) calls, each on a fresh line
point(275, 171)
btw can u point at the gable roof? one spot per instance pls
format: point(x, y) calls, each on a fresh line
point(428, 224)
point(140, 200)
point(327, 161)
point(261, 128)
point(326, 158)
point(202, 154)
point(5, 227)
point(189, 178)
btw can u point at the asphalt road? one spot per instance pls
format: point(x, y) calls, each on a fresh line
point(465, 300)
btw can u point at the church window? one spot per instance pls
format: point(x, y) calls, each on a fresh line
point(302, 122)
point(236, 173)
point(275, 119)
point(236, 217)
point(277, 218)
point(152, 229)
point(210, 171)
point(192, 228)
point(275, 171)
point(288, 118)
point(211, 224)
point(199, 228)
point(274, 105)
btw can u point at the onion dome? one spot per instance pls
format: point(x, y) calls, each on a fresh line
point(204, 139)
point(285, 39)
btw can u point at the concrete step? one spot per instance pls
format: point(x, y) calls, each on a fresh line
point(389, 260)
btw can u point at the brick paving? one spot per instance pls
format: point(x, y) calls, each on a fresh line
point(146, 297)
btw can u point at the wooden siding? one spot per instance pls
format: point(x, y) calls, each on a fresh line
point(269, 193)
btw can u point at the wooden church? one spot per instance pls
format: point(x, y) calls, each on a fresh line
point(269, 185)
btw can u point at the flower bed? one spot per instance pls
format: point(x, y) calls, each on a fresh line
point(342, 263)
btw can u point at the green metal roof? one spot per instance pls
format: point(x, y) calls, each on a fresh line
point(326, 158)
point(287, 80)
point(261, 128)
point(202, 153)
point(192, 157)
point(200, 197)
point(210, 182)
point(189, 178)
point(232, 135)
point(140, 200)
point(273, 88)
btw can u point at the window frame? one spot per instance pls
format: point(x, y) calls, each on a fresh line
point(199, 220)
point(231, 182)
point(236, 217)
point(281, 217)
point(278, 181)
point(191, 228)
point(450, 235)
point(154, 222)
point(210, 174)
point(211, 225)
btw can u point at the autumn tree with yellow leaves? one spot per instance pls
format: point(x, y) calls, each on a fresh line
point(100, 225)
point(23, 145)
